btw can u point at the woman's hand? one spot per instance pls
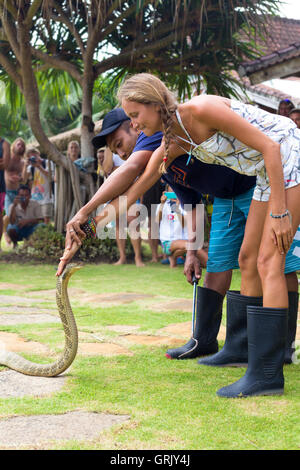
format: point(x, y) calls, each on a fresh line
point(192, 267)
point(66, 258)
point(74, 232)
point(282, 233)
point(74, 237)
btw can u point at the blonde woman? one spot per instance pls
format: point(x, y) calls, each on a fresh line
point(251, 141)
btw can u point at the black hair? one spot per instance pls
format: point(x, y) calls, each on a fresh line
point(24, 187)
point(287, 101)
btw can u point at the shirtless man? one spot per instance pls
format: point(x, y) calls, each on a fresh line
point(4, 158)
point(13, 176)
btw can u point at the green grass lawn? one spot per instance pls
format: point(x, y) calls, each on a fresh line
point(172, 404)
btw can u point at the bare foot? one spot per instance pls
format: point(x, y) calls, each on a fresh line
point(7, 238)
point(139, 263)
point(173, 262)
point(121, 261)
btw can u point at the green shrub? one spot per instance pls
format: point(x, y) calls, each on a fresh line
point(45, 244)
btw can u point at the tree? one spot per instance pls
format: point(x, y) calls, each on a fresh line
point(169, 37)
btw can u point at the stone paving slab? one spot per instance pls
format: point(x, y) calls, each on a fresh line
point(17, 300)
point(27, 319)
point(11, 286)
point(42, 431)
point(13, 384)
point(14, 342)
point(25, 309)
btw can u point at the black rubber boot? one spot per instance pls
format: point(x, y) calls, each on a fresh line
point(207, 324)
point(267, 331)
point(292, 327)
point(235, 350)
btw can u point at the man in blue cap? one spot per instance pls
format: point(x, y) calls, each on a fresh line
point(121, 138)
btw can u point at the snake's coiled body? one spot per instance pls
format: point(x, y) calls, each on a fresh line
point(20, 364)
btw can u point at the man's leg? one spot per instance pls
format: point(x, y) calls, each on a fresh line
point(227, 231)
point(135, 238)
point(150, 201)
point(220, 282)
point(121, 244)
point(137, 248)
point(2, 198)
point(1, 228)
point(13, 233)
point(153, 242)
point(9, 199)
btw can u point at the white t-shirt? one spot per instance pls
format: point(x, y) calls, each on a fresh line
point(170, 227)
point(41, 186)
point(117, 161)
point(32, 211)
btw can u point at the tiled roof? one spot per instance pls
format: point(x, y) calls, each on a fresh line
point(282, 33)
point(281, 43)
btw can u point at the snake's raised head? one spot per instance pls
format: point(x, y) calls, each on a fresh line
point(69, 271)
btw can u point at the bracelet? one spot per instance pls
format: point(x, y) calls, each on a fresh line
point(89, 228)
point(281, 216)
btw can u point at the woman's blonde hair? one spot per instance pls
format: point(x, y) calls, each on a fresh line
point(146, 89)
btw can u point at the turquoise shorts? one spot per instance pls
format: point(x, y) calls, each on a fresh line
point(9, 199)
point(227, 232)
point(166, 246)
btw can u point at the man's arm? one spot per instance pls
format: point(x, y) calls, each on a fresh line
point(12, 210)
point(118, 182)
point(149, 177)
point(192, 264)
point(26, 175)
point(115, 185)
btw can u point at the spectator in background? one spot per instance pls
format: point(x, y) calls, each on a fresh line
point(285, 107)
point(24, 216)
point(73, 150)
point(39, 176)
point(4, 158)
point(100, 171)
point(73, 153)
point(13, 178)
point(295, 116)
point(172, 231)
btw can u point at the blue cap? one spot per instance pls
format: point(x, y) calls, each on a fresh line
point(111, 122)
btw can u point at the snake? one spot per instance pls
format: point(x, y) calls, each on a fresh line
point(20, 364)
